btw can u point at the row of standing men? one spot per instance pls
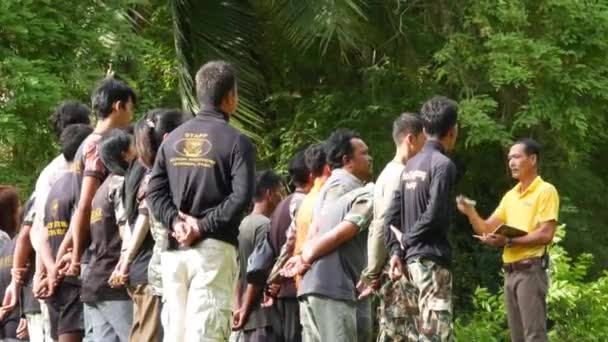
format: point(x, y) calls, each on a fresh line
point(146, 229)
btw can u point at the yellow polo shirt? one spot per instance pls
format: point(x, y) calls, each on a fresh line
point(525, 210)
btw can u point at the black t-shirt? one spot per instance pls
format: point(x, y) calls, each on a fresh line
point(58, 210)
point(105, 244)
point(27, 301)
point(138, 272)
point(8, 326)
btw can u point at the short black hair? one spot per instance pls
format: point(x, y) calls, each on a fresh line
point(405, 124)
point(69, 113)
point(531, 147)
point(214, 81)
point(316, 158)
point(265, 180)
point(298, 171)
point(71, 139)
point(439, 114)
point(108, 92)
point(111, 148)
point(151, 128)
point(339, 145)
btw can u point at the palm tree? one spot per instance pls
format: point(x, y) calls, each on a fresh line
point(233, 30)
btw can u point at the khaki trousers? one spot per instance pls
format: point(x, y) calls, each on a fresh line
point(146, 315)
point(525, 297)
point(198, 290)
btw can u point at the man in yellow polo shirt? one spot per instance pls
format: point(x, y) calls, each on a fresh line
point(532, 205)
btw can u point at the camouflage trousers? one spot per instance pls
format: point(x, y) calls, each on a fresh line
point(417, 307)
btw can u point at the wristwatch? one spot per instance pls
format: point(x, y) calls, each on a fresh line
point(509, 242)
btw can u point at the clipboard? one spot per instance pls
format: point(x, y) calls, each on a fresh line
point(509, 231)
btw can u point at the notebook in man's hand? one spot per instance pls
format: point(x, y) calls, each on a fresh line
point(509, 231)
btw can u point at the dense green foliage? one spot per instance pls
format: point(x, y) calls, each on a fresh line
point(51, 51)
point(518, 68)
point(577, 309)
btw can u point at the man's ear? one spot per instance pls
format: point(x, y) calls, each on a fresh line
point(410, 138)
point(345, 160)
point(534, 159)
point(118, 105)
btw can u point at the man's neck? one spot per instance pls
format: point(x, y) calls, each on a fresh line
point(261, 208)
point(350, 171)
point(104, 125)
point(527, 181)
point(441, 142)
point(401, 156)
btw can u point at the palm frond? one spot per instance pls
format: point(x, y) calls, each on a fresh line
point(226, 30)
point(323, 22)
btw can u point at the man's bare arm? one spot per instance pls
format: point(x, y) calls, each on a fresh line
point(23, 248)
point(480, 226)
point(82, 217)
point(45, 251)
point(543, 235)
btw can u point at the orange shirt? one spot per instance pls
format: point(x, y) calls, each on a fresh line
point(304, 218)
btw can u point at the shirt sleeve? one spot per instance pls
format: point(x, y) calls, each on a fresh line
point(361, 212)
point(376, 247)
point(158, 197)
point(548, 205)
point(93, 167)
point(501, 211)
point(260, 233)
point(116, 197)
point(393, 218)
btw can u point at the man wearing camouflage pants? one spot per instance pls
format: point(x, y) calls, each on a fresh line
point(417, 223)
point(396, 308)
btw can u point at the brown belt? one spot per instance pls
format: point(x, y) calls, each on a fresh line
point(521, 265)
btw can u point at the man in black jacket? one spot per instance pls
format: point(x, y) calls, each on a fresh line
point(417, 222)
point(200, 186)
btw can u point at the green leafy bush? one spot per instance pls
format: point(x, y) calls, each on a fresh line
point(577, 306)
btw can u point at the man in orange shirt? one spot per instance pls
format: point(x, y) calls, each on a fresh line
point(296, 234)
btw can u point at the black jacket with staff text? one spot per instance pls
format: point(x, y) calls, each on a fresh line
point(205, 168)
point(421, 207)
